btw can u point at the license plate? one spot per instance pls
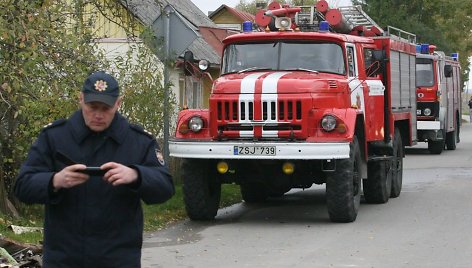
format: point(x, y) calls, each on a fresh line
point(254, 150)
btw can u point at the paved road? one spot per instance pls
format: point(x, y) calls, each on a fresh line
point(429, 225)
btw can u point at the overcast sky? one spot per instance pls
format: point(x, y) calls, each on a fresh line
point(211, 5)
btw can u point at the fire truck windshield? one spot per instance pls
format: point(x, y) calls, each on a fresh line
point(284, 55)
point(424, 72)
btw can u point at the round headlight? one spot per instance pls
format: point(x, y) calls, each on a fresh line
point(203, 65)
point(195, 124)
point(427, 111)
point(328, 123)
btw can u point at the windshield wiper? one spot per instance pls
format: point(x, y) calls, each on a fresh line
point(303, 69)
point(254, 69)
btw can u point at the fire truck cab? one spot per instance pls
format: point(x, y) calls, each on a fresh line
point(438, 84)
point(292, 109)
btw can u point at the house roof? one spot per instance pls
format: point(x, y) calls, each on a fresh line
point(238, 14)
point(214, 37)
point(205, 45)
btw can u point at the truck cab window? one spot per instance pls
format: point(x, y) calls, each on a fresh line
point(424, 72)
point(351, 61)
point(320, 57)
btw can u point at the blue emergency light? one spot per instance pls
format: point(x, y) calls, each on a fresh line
point(324, 26)
point(247, 26)
point(455, 56)
point(424, 48)
point(418, 48)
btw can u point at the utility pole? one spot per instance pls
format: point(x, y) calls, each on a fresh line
point(167, 12)
point(177, 36)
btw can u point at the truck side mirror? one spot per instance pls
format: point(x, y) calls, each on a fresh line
point(188, 58)
point(448, 70)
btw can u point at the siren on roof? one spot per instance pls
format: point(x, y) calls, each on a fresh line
point(455, 56)
point(424, 48)
point(324, 26)
point(247, 26)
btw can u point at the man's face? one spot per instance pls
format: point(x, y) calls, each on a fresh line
point(98, 115)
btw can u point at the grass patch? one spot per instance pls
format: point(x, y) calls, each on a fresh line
point(159, 216)
point(32, 216)
point(155, 216)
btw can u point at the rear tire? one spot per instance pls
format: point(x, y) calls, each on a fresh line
point(378, 185)
point(343, 187)
point(451, 140)
point(397, 165)
point(201, 189)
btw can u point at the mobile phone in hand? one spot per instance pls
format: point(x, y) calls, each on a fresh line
point(94, 171)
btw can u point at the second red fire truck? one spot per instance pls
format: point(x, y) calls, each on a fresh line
point(298, 105)
point(438, 84)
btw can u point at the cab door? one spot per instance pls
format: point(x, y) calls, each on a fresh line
point(373, 93)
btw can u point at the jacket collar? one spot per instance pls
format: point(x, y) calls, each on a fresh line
point(116, 130)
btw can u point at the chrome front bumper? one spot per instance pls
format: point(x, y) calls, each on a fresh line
point(283, 150)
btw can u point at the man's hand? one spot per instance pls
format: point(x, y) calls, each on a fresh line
point(69, 177)
point(119, 174)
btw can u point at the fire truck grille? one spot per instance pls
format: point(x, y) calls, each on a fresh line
point(273, 115)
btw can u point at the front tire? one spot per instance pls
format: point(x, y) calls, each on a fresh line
point(343, 187)
point(201, 189)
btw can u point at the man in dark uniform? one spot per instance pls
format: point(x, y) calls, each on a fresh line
point(94, 218)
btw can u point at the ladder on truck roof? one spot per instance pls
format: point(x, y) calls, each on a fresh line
point(355, 16)
point(401, 35)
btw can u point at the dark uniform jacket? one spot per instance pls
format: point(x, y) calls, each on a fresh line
point(93, 224)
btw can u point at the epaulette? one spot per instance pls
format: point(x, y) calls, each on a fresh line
point(55, 124)
point(141, 130)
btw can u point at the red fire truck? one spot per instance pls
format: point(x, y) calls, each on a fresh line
point(294, 108)
point(438, 87)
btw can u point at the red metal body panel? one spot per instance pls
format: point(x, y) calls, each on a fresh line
point(391, 45)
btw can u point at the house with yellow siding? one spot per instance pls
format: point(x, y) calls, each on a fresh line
point(230, 18)
point(117, 24)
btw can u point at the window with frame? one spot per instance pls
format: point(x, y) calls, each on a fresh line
point(351, 61)
point(190, 92)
